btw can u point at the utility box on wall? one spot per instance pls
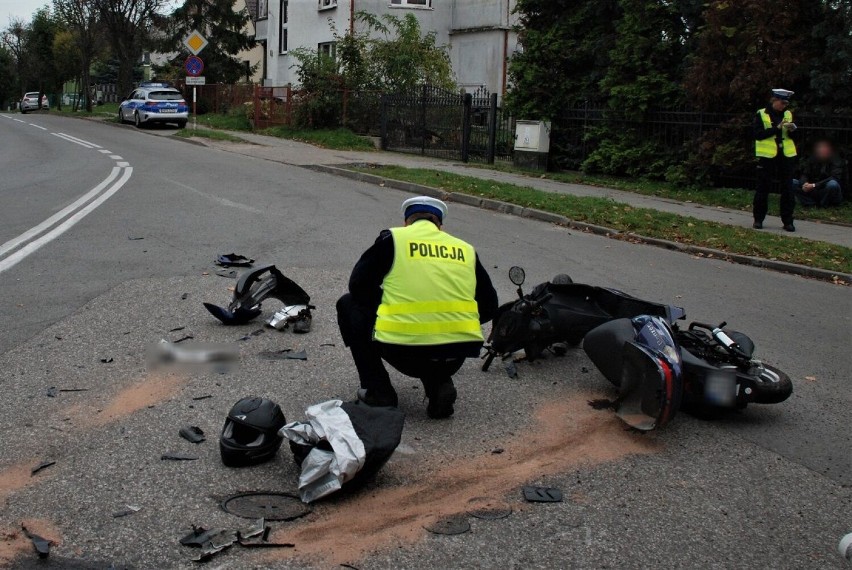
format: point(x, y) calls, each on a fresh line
point(532, 144)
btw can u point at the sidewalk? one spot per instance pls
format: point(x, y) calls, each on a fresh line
point(300, 154)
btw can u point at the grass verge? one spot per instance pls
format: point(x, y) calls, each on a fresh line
point(642, 221)
point(189, 133)
point(733, 198)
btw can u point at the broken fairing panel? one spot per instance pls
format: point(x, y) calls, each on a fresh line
point(253, 287)
point(287, 315)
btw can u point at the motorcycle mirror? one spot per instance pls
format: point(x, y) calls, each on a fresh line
point(517, 275)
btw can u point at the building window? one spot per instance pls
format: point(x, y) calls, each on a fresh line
point(328, 49)
point(262, 9)
point(326, 4)
point(412, 3)
point(282, 40)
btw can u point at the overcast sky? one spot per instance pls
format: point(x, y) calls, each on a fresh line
point(18, 9)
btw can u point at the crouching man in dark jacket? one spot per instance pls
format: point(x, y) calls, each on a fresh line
point(416, 299)
point(819, 183)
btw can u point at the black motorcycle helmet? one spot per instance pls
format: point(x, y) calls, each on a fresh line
point(250, 434)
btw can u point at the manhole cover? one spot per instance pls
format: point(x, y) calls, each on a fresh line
point(269, 506)
point(488, 509)
point(451, 525)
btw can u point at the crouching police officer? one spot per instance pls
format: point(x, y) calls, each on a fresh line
point(776, 157)
point(416, 299)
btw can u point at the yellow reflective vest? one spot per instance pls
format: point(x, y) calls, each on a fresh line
point(768, 147)
point(429, 294)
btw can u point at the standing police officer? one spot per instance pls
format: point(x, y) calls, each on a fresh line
point(776, 157)
point(416, 299)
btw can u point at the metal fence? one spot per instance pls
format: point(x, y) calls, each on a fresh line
point(221, 98)
point(721, 144)
point(457, 126)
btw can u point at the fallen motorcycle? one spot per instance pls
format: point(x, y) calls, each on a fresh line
point(559, 313)
point(661, 369)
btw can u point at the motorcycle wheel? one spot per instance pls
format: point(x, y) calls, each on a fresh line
point(767, 392)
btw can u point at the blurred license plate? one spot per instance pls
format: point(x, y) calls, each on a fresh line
point(168, 110)
point(720, 388)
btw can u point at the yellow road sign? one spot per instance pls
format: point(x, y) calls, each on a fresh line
point(195, 42)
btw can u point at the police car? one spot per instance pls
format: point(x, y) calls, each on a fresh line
point(154, 102)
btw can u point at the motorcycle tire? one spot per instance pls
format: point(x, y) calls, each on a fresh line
point(772, 392)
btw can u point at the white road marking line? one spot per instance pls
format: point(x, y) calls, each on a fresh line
point(222, 201)
point(104, 151)
point(91, 144)
point(37, 126)
point(19, 120)
point(115, 157)
point(6, 116)
point(58, 216)
point(65, 138)
point(31, 247)
point(122, 164)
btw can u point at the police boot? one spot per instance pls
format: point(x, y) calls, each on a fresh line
point(441, 396)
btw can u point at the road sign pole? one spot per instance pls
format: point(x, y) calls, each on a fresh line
point(194, 111)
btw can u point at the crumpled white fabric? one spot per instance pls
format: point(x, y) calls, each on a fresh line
point(324, 472)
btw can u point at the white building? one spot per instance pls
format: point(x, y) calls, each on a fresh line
point(479, 33)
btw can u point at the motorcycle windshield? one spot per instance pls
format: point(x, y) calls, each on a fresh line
point(650, 389)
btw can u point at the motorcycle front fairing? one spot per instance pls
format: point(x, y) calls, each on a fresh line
point(641, 357)
point(252, 288)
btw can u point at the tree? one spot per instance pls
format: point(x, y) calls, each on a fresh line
point(644, 72)
point(225, 30)
point(14, 39)
point(831, 69)
point(42, 31)
point(81, 18)
point(126, 23)
point(8, 77)
point(749, 46)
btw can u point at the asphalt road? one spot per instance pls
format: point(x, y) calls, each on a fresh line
point(769, 487)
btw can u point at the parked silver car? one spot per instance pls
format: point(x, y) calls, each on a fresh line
point(30, 102)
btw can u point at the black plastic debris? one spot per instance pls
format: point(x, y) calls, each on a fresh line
point(233, 260)
point(129, 510)
point(52, 392)
point(106, 360)
point(204, 397)
point(542, 494)
point(41, 544)
point(134, 238)
point(226, 273)
point(184, 296)
point(178, 457)
point(176, 329)
point(285, 354)
point(271, 506)
point(252, 288)
point(199, 536)
point(603, 404)
point(497, 451)
point(183, 339)
point(328, 344)
point(192, 434)
point(449, 526)
point(212, 542)
point(488, 509)
point(42, 465)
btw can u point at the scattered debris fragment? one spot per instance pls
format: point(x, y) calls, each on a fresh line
point(542, 494)
point(178, 457)
point(128, 510)
point(134, 238)
point(285, 354)
point(183, 339)
point(52, 392)
point(252, 288)
point(107, 360)
point(184, 296)
point(42, 465)
point(488, 509)
point(204, 397)
point(227, 273)
point(603, 404)
point(192, 434)
point(271, 506)
point(328, 344)
point(233, 260)
point(497, 451)
point(41, 544)
point(212, 542)
point(176, 329)
point(449, 526)
point(297, 315)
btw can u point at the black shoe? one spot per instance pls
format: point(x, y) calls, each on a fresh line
point(441, 400)
point(757, 225)
point(377, 400)
point(789, 228)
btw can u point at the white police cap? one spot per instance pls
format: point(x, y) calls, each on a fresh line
point(425, 204)
point(783, 94)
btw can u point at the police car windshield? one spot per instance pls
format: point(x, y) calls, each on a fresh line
point(165, 96)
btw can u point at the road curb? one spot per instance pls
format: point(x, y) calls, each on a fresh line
point(549, 217)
